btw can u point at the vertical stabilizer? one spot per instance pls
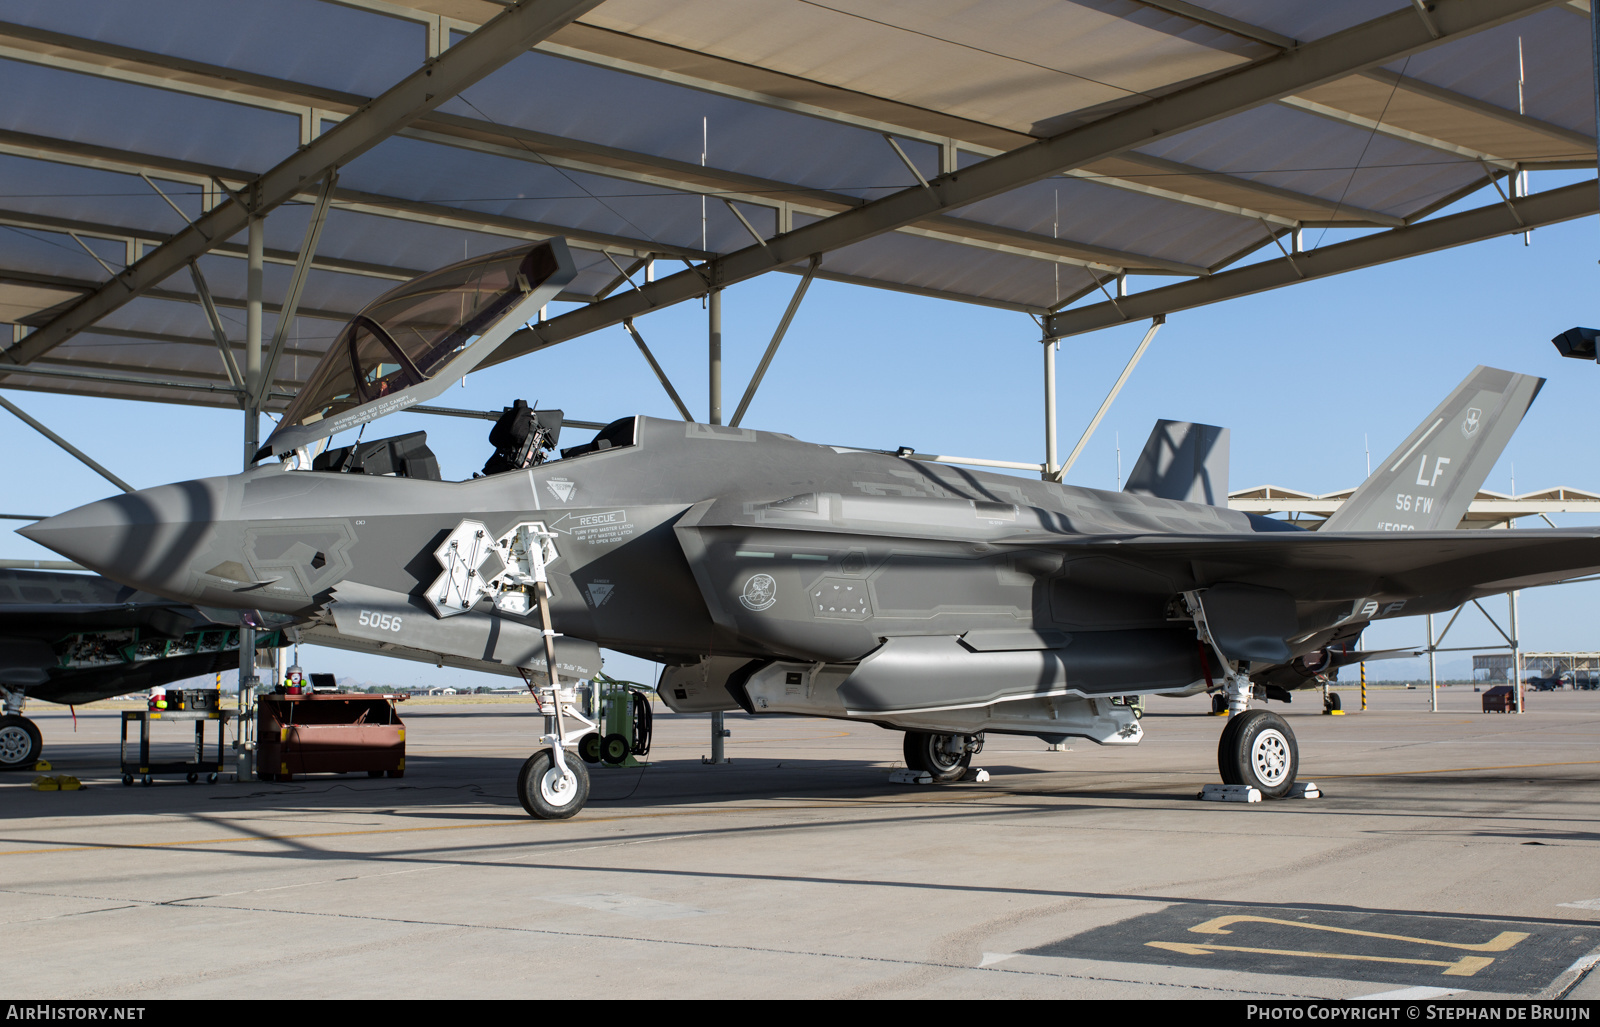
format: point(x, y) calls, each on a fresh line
point(1427, 484)
point(1183, 461)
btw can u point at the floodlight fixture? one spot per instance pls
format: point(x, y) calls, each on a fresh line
point(1578, 343)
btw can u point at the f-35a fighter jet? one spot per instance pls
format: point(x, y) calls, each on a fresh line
point(781, 576)
point(75, 638)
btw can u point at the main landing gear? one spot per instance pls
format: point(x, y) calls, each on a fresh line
point(1258, 750)
point(20, 743)
point(945, 757)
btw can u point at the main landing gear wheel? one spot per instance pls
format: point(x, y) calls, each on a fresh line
point(1219, 703)
point(548, 794)
point(1258, 749)
point(926, 752)
point(20, 743)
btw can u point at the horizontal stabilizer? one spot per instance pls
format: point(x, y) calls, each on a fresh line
point(1183, 461)
point(1427, 483)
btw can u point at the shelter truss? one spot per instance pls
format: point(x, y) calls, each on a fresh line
point(1487, 510)
point(1021, 157)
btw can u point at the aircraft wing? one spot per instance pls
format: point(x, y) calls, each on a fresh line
point(1325, 566)
point(1309, 566)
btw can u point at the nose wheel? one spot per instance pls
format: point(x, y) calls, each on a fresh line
point(550, 791)
point(1258, 749)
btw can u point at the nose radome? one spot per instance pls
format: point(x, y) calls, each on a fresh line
point(147, 539)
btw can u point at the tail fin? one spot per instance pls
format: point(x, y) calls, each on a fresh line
point(1427, 484)
point(1183, 461)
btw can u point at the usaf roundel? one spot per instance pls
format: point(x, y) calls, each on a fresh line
point(760, 592)
point(1469, 425)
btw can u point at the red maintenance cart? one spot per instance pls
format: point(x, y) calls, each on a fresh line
point(318, 733)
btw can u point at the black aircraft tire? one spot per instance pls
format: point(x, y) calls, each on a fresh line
point(1258, 749)
point(1333, 701)
point(20, 743)
point(1226, 766)
point(924, 751)
point(1219, 702)
point(614, 749)
point(543, 797)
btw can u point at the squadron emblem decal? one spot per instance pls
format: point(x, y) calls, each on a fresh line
point(760, 592)
point(1469, 426)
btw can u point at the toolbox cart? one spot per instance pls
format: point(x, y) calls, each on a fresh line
point(197, 706)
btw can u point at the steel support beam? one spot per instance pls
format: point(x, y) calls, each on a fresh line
point(1366, 45)
point(777, 339)
point(128, 162)
point(217, 331)
point(661, 376)
point(500, 40)
point(1111, 397)
point(1050, 409)
point(297, 284)
point(253, 370)
point(120, 63)
point(714, 352)
point(1524, 213)
point(83, 457)
point(514, 143)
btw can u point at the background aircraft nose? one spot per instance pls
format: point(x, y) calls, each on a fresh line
point(146, 539)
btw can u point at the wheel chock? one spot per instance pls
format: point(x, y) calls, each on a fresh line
point(975, 774)
point(1229, 793)
point(1304, 790)
point(63, 783)
point(42, 766)
point(910, 777)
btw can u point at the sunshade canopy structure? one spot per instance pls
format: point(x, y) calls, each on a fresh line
point(1023, 155)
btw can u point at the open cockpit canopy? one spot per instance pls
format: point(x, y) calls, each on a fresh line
point(412, 342)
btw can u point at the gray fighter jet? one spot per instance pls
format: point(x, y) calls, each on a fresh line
point(782, 576)
point(77, 638)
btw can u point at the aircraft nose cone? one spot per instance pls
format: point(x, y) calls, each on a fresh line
point(146, 539)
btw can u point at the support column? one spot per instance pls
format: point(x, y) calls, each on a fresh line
point(244, 728)
point(255, 260)
point(1516, 655)
point(1433, 671)
point(714, 306)
point(714, 340)
point(1050, 409)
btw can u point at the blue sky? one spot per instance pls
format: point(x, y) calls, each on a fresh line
point(1301, 375)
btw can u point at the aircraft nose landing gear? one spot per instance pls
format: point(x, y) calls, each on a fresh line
point(549, 791)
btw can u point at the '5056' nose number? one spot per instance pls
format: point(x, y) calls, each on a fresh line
point(381, 621)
